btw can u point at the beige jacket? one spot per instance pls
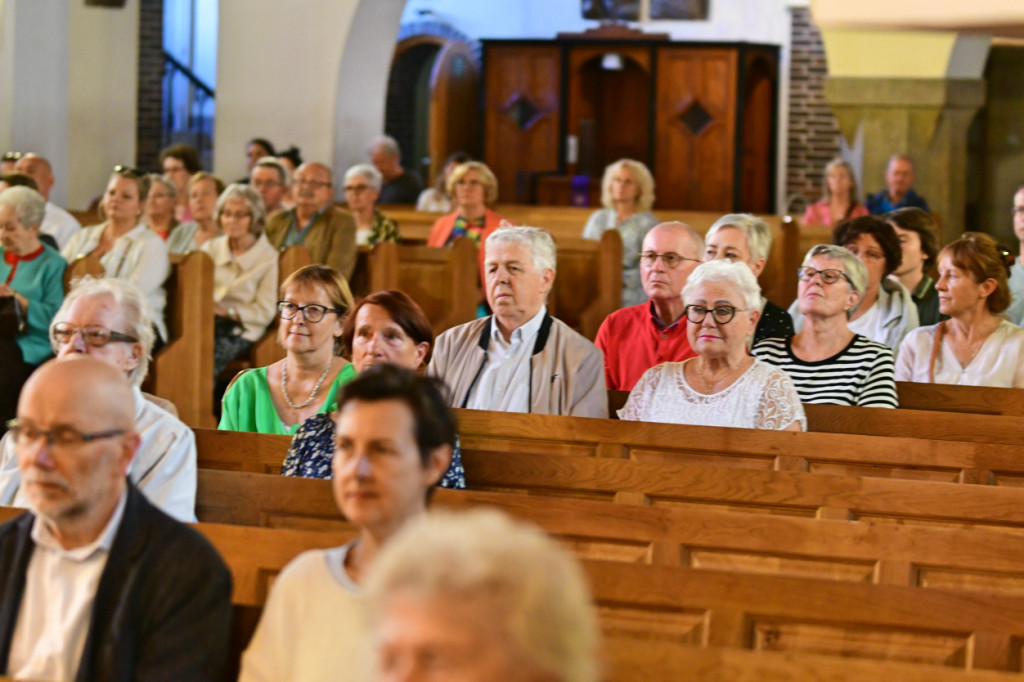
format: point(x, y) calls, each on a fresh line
point(566, 370)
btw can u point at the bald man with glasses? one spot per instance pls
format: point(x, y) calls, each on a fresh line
point(96, 583)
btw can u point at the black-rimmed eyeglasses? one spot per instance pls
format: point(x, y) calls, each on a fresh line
point(311, 312)
point(93, 335)
point(722, 314)
point(57, 437)
point(830, 276)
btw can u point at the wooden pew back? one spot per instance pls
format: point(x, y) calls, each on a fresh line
point(588, 282)
point(79, 268)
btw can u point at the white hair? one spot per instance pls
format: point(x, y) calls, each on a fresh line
point(736, 275)
point(530, 584)
point(757, 232)
point(538, 240)
point(386, 143)
point(29, 205)
point(853, 267)
point(365, 170)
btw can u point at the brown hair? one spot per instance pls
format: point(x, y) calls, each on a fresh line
point(848, 231)
point(328, 279)
point(984, 258)
point(916, 220)
point(188, 156)
point(203, 175)
point(403, 311)
point(840, 163)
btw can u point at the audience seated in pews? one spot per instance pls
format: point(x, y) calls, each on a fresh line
point(627, 194)
point(748, 239)
point(401, 185)
point(386, 327)
point(916, 231)
point(328, 232)
point(886, 312)
point(899, 188)
point(110, 320)
point(31, 290)
point(314, 301)
point(362, 188)
point(438, 199)
point(394, 441)
point(520, 359)
point(827, 362)
point(723, 385)
point(203, 191)
point(1015, 313)
point(126, 248)
point(97, 583)
point(636, 338)
point(244, 275)
point(976, 346)
point(841, 201)
point(8, 162)
point(255, 149)
point(57, 222)
point(179, 163)
point(159, 212)
point(272, 181)
point(483, 598)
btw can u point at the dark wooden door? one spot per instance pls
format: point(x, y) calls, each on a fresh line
point(522, 113)
point(695, 128)
point(454, 105)
point(757, 133)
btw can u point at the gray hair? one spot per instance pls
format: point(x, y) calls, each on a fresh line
point(757, 232)
point(387, 143)
point(157, 179)
point(273, 162)
point(251, 197)
point(538, 240)
point(530, 584)
point(129, 299)
point(365, 170)
point(736, 275)
point(852, 266)
point(29, 205)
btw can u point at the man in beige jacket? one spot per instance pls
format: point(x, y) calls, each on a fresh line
point(520, 359)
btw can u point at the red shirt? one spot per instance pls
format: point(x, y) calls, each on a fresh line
point(633, 341)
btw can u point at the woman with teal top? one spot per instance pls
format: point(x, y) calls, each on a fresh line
point(278, 398)
point(32, 274)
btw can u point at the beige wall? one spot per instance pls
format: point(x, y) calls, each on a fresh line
point(903, 54)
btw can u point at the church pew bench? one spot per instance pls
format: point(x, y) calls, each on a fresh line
point(588, 283)
point(885, 553)
point(81, 267)
point(986, 430)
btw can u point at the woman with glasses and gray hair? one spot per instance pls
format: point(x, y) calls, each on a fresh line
point(110, 320)
point(723, 385)
point(278, 398)
point(244, 274)
point(827, 361)
point(362, 189)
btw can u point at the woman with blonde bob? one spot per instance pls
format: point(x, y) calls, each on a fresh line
point(840, 201)
point(507, 602)
point(627, 194)
point(723, 385)
point(977, 346)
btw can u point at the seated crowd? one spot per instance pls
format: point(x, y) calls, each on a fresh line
point(366, 391)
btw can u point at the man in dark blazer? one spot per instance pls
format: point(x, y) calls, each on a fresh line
point(96, 583)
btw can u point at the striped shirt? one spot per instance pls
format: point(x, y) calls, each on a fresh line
point(862, 374)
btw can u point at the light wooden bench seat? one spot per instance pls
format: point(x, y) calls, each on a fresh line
point(982, 429)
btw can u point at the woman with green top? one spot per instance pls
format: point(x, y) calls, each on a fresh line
point(278, 398)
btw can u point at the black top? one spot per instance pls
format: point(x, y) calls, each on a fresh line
point(927, 301)
point(774, 322)
point(405, 189)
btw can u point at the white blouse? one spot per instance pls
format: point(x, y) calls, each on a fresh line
point(247, 283)
point(764, 397)
point(998, 363)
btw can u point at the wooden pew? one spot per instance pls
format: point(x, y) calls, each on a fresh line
point(588, 283)
point(79, 268)
point(182, 371)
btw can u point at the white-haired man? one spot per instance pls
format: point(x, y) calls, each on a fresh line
point(636, 338)
point(109, 320)
point(57, 222)
point(400, 186)
point(520, 359)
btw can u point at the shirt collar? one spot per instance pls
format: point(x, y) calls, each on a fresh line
point(42, 535)
point(922, 287)
point(523, 332)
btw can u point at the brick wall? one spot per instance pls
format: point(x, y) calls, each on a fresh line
point(149, 130)
point(813, 133)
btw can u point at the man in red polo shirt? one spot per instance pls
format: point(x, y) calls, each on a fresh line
point(639, 337)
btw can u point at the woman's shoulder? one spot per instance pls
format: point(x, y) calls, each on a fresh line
point(1008, 330)
point(764, 373)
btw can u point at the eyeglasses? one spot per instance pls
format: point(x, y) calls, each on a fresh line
point(315, 184)
point(830, 276)
point(356, 189)
point(12, 156)
point(128, 170)
point(312, 312)
point(235, 216)
point(60, 437)
point(721, 314)
point(670, 259)
point(93, 335)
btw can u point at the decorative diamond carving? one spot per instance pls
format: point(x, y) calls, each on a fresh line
point(695, 117)
point(523, 112)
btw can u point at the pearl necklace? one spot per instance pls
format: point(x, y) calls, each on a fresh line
point(312, 396)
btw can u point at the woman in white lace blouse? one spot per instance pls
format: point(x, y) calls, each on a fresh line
point(723, 385)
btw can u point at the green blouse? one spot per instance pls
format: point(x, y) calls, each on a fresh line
point(248, 406)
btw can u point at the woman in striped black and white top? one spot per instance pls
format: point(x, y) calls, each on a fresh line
point(828, 362)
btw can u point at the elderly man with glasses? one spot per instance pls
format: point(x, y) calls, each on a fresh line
point(639, 337)
point(326, 230)
point(109, 320)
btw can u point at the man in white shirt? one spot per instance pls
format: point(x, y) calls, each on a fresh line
point(109, 319)
point(520, 359)
point(96, 583)
point(57, 222)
